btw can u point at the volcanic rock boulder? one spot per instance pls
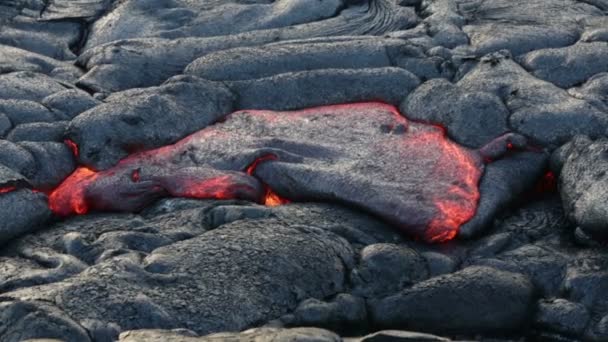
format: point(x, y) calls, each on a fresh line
point(141, 119)
point(568, 66)
point(366, 155)
point(226, 279)
point(304, 55)
point(296, 90)
point(473, 299)
point(22, 211)
point(539, 109)
point(584, 185)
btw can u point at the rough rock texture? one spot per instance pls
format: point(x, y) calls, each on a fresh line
point(474, 299)
point(583, 184)
point(86, 83)
point(428, 197)
point(173, 285)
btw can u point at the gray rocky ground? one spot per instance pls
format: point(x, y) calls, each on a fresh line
point(520, 87)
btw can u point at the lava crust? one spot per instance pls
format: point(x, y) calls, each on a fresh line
point(366, 155)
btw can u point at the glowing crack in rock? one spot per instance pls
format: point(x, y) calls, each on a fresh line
point(366, 155)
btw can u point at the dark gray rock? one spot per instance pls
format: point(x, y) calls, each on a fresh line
point(23, 320)
point(35, 267)
point(583, 184)
point(17, 158)
point(595, 91)
point(265, 61)
point(568, 66)
point(523, 26)
point(562, 316)
point(22, 28)
point(15, 59)
point(471, 118)
point(142, 119)
point(503, 182)
point(401, 336)
point(439, 264)
point(258, 335)
point(224, 280)
point(293, 18)
point(25, 111)
point(149, 61)
point(477, 299)
point(39, 131)
point(539, 109)
point(53, 163)
point(10, 178)
point(22, 211)
point(26, 85)
point(324, 87)
point(70, 103)
point(344, 313)
point(71, 10)
point(386, 268)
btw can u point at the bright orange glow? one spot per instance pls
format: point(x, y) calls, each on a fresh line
point(7, 189)
point(72, 146)
point(455, 170)
point(69, 198)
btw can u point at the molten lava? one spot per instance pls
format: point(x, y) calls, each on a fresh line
point(365, 154)
point(7, 189)
point(72, 146)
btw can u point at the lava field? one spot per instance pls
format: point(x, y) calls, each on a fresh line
point(303, 170)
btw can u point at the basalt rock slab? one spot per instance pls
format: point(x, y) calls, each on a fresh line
point(473, 299)
point(137, 19)
point(22, 211)
point(583, 184)
point(24, 320)
point(265, 61)
point(22, 28)
point(386, 268)
point(304, 89)
point(595, 91)
point(224, 280)
point(568, 66)
point(539, 109)
point(74, 10)
point(522, 26)
point(303, 156)
point(13, 59)
point(258, 335)
point(293, 18)
point(471, 118)
point(27, 85)
point(503, 183)
point(139, 62)
point(146, 118)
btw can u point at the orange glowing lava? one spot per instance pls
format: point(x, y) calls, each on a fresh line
point(7, 189)
point(453, 167)
point(72, 146)
point(69, 198)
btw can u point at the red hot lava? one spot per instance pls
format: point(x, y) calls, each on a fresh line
point(143, 177)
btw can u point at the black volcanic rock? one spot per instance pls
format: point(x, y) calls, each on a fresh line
point(304, 55)
point(22, 211)
point(583, 185)
point(386, 268)
point(145, 118)
point(297, 90)
point(473, 299)
point(259, 334)
point(226, 279)
point(562, 316)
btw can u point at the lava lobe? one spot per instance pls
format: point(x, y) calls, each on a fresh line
point(365, 155)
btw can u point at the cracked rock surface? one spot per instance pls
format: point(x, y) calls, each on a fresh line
point(312, 246)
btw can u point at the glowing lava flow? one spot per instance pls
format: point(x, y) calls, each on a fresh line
point(7, 189)
point(271, 198)
point(408, 173)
